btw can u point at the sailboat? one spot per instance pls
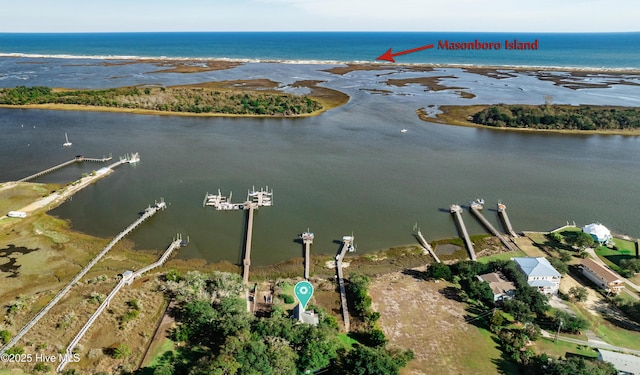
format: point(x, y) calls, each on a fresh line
point(67, 143)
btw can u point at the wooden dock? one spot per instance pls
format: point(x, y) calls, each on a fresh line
point(246, 262)
point(307, 241)
point(427, 246)
point(255, 200)
point(504, 218)
point(475, 209)
point(77, 159)
point(347, 245)
point(127, 278)
point(150, 211)
point(456, 211)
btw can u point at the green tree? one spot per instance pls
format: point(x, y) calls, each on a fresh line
point(559, 265)
point(121, 351)
point(361, 360)
point(439, 271)
point(578, 293)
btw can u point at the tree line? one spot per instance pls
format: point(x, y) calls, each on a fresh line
point(185, 100)
point(558, 117)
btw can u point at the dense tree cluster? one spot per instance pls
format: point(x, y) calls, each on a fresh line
point(558, 117)
point(186, 100)
point(216, 335)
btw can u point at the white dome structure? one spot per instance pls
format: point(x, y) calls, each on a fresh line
point(599, 232)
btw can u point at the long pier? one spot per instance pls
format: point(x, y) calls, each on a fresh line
point(347, 244)
point(77, 159)
point(475, 209)
point(150, 211)
point(504, 218)
point(307, 240)
point(127, 278)
point(246, 261)
point(427, 246)
point(456, 211)
point(255, 199)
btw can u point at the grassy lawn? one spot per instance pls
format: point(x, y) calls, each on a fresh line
point(502, 256)
point(618, 336)
point(347, 340)
point(613, 257)
point(561, 348)
point(167, 346)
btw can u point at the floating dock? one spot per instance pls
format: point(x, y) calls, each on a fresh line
point(347, 245)
point(475, 207)
point(456, 211)
point(504, 218)
point(148, 212)
point(127, 278)
point(427, 246)
point(307, 240)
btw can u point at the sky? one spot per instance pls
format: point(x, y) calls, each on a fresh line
point(320, 15)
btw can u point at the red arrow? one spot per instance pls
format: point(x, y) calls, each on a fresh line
point(388, 56)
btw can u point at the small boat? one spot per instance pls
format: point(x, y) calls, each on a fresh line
point(403, 131)
point(67, 143)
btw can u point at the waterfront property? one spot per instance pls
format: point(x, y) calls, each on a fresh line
point(602, 276)
point(502, 288)
point(599, 232)
point(540, 274)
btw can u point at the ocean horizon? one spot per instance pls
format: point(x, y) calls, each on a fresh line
point(556, 50)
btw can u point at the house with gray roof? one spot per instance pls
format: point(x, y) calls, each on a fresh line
point(626, 364)
point(540, 274)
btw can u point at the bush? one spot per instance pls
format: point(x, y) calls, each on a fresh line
point(287, 298)
point(5, 336)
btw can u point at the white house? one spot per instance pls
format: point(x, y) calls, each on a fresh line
point(502, 288)
point(599, 232)
point(540, 274)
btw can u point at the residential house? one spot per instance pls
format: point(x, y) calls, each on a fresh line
point(540, 274)
point(602, 276)
point(502, 288)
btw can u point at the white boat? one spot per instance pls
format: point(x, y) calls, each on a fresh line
point(67, 143)
point(403, 131)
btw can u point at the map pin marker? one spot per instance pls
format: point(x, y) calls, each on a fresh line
point(303, 291)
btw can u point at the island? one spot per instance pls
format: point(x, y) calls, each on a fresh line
point(546, 117)
point(258, 97)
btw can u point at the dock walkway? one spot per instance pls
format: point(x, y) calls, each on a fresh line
point(347, 244)
point(150, 211)
point(307, 240)
point(475, 209)
point(456, 211)
point(504, 218)
point(427, 246)
point(127, 279)
point(77, 159)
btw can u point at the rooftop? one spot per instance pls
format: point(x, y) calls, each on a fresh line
point(626, 363)
point(604, 273)
point(537, 267)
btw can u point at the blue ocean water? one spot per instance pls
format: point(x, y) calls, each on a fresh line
point(580, 50)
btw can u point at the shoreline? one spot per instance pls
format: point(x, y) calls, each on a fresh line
point(232, 62)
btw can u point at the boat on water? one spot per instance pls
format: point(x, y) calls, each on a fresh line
point(67, 143)
point(403, 131)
